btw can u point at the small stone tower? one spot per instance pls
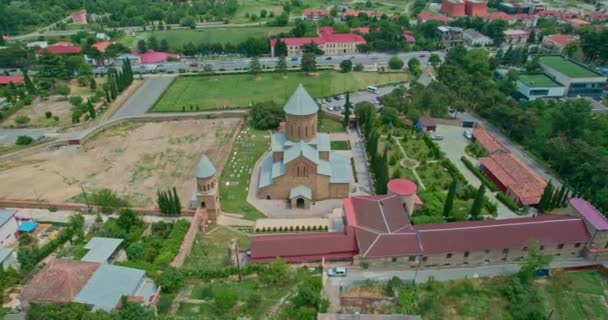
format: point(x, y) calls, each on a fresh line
point(207, 194)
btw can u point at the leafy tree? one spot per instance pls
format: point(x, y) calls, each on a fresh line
point(171, 280)
point(449, 200)
point(414, 65)
point(91, 109)
point(135, 251)
point(478, 203)
point(76, 226)
point(142, 46)
point(280, 48)
point(347, 107)
point(63, 90)
point(313, 48)
point(276, 273)
point(434, 60)
point(108, 200)
point(153, 43)
point(188, 21)
point(346, 65)
point(92, 83)
point(358, 67)
point(22, 120)
point(407, 299)
point(29, 86)
point(533, 262)
point(265, 116)
point(163, 45)
point(282, 65)
point(128, 219)
point(395, 63)
point(254, 66)
point(309, 63)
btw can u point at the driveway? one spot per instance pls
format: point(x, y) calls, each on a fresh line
point(453, 145)
point(144, 98)
point(10, 135)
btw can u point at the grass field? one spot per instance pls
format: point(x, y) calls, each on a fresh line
point(178, 38)
point(241, 90)
point(249, 146)
point(329, 125)
point(211, 252)
point(340, 145)
point(568, 67)
point(577, 295)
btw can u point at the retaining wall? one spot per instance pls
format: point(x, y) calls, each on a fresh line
point(77, 207)
point(199, 220)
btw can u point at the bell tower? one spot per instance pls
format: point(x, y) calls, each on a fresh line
point(207, 195)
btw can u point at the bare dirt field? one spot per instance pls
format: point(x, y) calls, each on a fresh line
point(57, 105)
point(133, 160)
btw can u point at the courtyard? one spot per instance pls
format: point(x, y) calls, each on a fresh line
point(242, 90)
point(133, 159)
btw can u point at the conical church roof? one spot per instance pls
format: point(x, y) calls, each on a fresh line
point(301, 103)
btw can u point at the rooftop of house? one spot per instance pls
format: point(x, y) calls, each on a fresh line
point(498, 15)
point(561, 39)
point(402, 187)
point(578, 21)
point(61, 48)
point(315, 12)
point(59, 281)
point(205, 168)
point(326, 35)
point(4, 80)
point(475, 34)
point(538, 81)
point(152, 56)
point(101, 46)
point(516, 33)
point(568, 67)
point(427, 121)
point(101, 249)
point(108, 284)
point(511, 172)
point(591, 214)
point(487, 140)
point(6, 215)
point(426, 16)
point(268, 247)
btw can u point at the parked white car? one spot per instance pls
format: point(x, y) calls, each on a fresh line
point(336, 272)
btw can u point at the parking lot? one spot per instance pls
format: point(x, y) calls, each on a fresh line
point(336, 106)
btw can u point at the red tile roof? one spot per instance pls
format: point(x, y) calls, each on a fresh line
point(596, 16)
point(101, 46)
point(299, 247)
point(154, 56)
point(362, 30)
point(487, 140)
point(579, 22)
point(402, 187)
point(517, 177)
point(326, 35)
point(60, 48)
point(561, 39)
point(4, 80)
point(427, 121)
point(501, 234)
point(590, 213)
point(499, 15)
point(427, 16)
point(315, 12)
point(59, 281)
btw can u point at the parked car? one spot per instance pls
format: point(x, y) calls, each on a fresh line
point(319, 101)
point(294, 59)
point(467, 134)
point(336, 272)
point(422, 55)
point(193, 64)
point(342, 96)
point(328, 99)
point(437, 137)
point(336, 98)
point(328, 58)
point(330, 108)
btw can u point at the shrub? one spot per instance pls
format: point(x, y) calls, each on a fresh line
point(395, 63)
point(48, 114)
point(364, 265)
point(22, 120)
point(52, 209)
point(172, 243)
point(171, 280)
point(507, 201)
point(108, 200)
point(478, 174)
point(453, 171)
point(27, 101)
point(24, 140)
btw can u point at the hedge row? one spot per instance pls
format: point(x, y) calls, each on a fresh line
point(433, 146)
point(292, 228)
point(222, 273)
point(478, 174)
point(172, 244)
point(507, 201)
point(456, 174)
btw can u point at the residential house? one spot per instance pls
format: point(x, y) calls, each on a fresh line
point(487, 141)
point(426, 16)
point(516, 37)
point(426, 124)
point(534, 86)
point(79, 17)
point(5, 80)
point(409, 37)
point(450, 36)
point(577, 23)
point(555, 43)
point(61, 48)
point(8, 227)
point(314, 14)
point(473, 38)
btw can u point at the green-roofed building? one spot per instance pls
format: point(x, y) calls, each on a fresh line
point(534, 86)
point(577, 78)
point(302, 167)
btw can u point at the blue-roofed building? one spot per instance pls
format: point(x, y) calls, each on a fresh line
point(8, 227)
point(302, 168)
point(110, 283)
point(101, 250)
point(28, 226)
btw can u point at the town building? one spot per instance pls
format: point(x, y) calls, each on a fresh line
point(426, 16)
point(207, 195)
point(596, 224)
point(79, 17)
point(578, 79)
point(61, 48)
point(453, 8)
point(492, 16)
point(513, 178)
point(516, 8)
point(314, 14)
point(426, 124)
point(328, 41)
point(487, 141)
point(473, 38)
point(378, 233)
point(5, 80)
point(577, 23)
point(8, 227)
point(101, 250)
point(409, 37)
point(534, 86)
point(151, 56)
point(37, 44)
point(100, 285)
point(302, 168)
point(555, 43)
point(101, 46)
point(450, 36)
point(527, 20)
point(516, 37)
point(476, 8)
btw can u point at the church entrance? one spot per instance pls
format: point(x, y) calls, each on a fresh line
point(203, 204)
point(300, 203)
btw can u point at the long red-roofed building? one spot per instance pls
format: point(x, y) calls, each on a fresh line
point(426, 16)
point(5, 80)
point(61, 48)
point(487, 141)
point(378, 232)
point(331, 43)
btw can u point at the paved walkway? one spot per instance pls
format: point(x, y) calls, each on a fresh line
point(413, 168)
point(363, 186)
point(144, 98)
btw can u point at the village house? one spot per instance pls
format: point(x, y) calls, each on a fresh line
point(314, 14)
point(79, 17)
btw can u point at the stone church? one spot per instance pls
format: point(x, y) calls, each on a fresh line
point(302, 168)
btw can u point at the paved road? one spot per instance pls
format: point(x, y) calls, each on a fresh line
point(363, 186)
point(10, 135)
point(517, 150)
point(144, 98)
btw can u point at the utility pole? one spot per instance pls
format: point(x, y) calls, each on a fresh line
point(86, 199)
point(238, 262)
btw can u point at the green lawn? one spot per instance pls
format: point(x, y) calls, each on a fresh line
point(568, 67)
point(329, 125)
point(340, 145)
point(178, 38)
point(241, 90)
point(164, 303)
point(577, 295)
point(538, 80)
point(249, 146)
point(211, 250)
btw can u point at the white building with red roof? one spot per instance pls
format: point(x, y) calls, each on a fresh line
point(556, 42)
point(331, 43)
point(61, 48)
point(314, 14)
point(426, 16)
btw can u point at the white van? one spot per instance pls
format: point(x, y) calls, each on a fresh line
point(372, 89)
point(336, 272)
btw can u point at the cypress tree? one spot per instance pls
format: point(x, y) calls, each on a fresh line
point(566, 197)
point(29, 86)
point(91, 109)
point(449, 200)
point(478, 203)
point(556, 200)
point(545, 199)
point(347, 110)
point(176, 203)
point(108, 98)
